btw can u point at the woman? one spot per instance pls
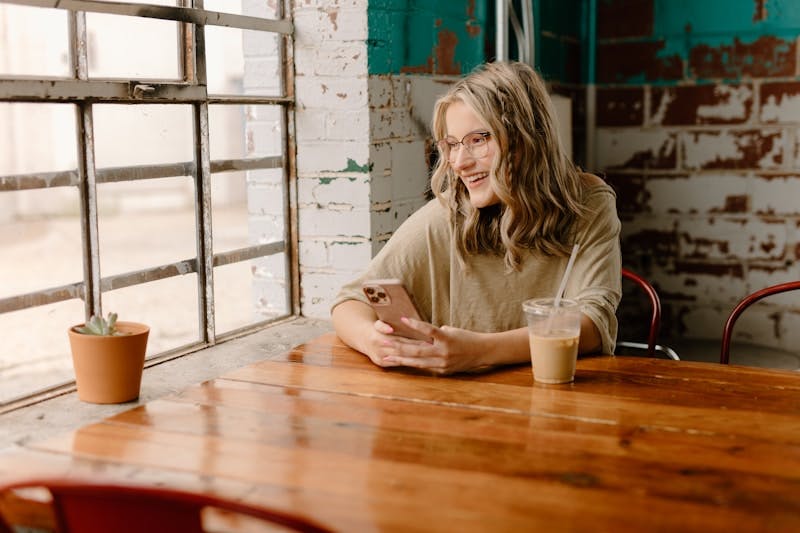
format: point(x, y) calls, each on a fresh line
point(509, 206)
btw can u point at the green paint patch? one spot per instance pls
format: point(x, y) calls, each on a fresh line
point(329, 180)
point(353, 166)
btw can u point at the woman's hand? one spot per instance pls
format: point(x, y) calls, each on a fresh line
point(451, 350)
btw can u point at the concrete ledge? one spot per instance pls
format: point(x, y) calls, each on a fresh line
point(66, 412)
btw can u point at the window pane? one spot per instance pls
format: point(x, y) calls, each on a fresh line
point(145, 223)
point(33, 41)
point(142, 134)
point(168, 306)
point(40, 238)
point(30, 363)
point(234, 297)
point(133, 47)
point(229, 211)
point(37, 138)
point(226, 131)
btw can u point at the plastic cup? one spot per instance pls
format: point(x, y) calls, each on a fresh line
point(553, 333)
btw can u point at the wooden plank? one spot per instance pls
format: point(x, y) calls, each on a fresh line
point(597, 400)
point(338, 423)
point(577, 445)
point(506, 502)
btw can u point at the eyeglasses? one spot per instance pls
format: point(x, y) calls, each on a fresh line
point(476, 143)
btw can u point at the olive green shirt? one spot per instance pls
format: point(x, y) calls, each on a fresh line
point(487, 298)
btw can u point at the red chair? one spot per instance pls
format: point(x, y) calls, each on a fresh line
point(81, 507)
point(747, 301)
point(652, 347)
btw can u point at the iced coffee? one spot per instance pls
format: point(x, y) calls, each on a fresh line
point(553, 332)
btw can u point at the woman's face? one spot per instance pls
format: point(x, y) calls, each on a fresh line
point(472, 160)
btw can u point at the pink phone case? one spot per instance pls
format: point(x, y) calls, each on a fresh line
point(391, 302)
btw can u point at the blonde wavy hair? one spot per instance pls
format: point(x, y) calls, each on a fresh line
point(538, 186)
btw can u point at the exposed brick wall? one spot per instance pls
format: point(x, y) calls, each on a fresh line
point(361, 147)
point(701, 142)
point(333, 152)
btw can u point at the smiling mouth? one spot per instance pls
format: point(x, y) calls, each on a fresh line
point(475, 178)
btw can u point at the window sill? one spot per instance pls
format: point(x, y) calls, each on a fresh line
point(63, 413)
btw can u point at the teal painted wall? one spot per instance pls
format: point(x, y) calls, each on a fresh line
point(666, 42)
point(454, 36)
point(560, 31)
point(426, 36)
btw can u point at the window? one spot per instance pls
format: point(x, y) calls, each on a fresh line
point(145, 168)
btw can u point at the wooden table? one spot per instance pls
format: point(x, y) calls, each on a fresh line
point(633, 444)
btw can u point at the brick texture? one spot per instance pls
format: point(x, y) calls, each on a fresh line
point(698, 134)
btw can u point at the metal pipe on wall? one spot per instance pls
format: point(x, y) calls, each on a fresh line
point(529, 49)
point(523, 31)
point(591, 93)
point(501, 33)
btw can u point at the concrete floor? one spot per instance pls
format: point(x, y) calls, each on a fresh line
point(66, 412)
point(740, 354)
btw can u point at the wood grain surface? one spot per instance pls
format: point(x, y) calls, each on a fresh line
point(632, 444)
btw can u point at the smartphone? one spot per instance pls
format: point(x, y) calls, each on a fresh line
point(391, 302)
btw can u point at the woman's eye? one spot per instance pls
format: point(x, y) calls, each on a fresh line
point(478, 139)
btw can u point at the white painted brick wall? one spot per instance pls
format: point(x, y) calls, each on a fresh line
point(671, 194)
point(615, 147)
point(315, 157)
point(360, 141)
point(317, 92)
point(321, 192)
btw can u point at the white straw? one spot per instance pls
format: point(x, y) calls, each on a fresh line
point(563, 285)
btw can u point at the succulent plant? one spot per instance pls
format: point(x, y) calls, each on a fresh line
point(97, 325)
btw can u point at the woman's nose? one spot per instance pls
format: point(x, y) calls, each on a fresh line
point(462, 159)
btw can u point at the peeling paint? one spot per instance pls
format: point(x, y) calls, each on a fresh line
point(702, 104)
point(733, 149)
point(334, 206)
point(766, 56)
point(446, 53)
point(426, 37)
point(760, 12)
point(735, 71)
point(353, 166)
point(332, 16)
point(328, 181)
point(633, 62)
point(780, 102)
point(733, 104)
point(736, 204)
point(619, 106)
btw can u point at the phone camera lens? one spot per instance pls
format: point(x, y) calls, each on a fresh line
point(374, 299)
point(381, 294)
point(369, 290)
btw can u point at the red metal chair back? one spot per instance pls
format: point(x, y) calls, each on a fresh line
point(747, 301)
point(652, 346)
point(81, 507)
point(655, 305)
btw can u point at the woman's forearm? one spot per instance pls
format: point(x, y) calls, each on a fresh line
point(353, 320)
point(513, 346)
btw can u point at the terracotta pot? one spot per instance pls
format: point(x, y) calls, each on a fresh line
point(109, 369)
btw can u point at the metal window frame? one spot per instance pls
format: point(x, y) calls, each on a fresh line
point(85, 92)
